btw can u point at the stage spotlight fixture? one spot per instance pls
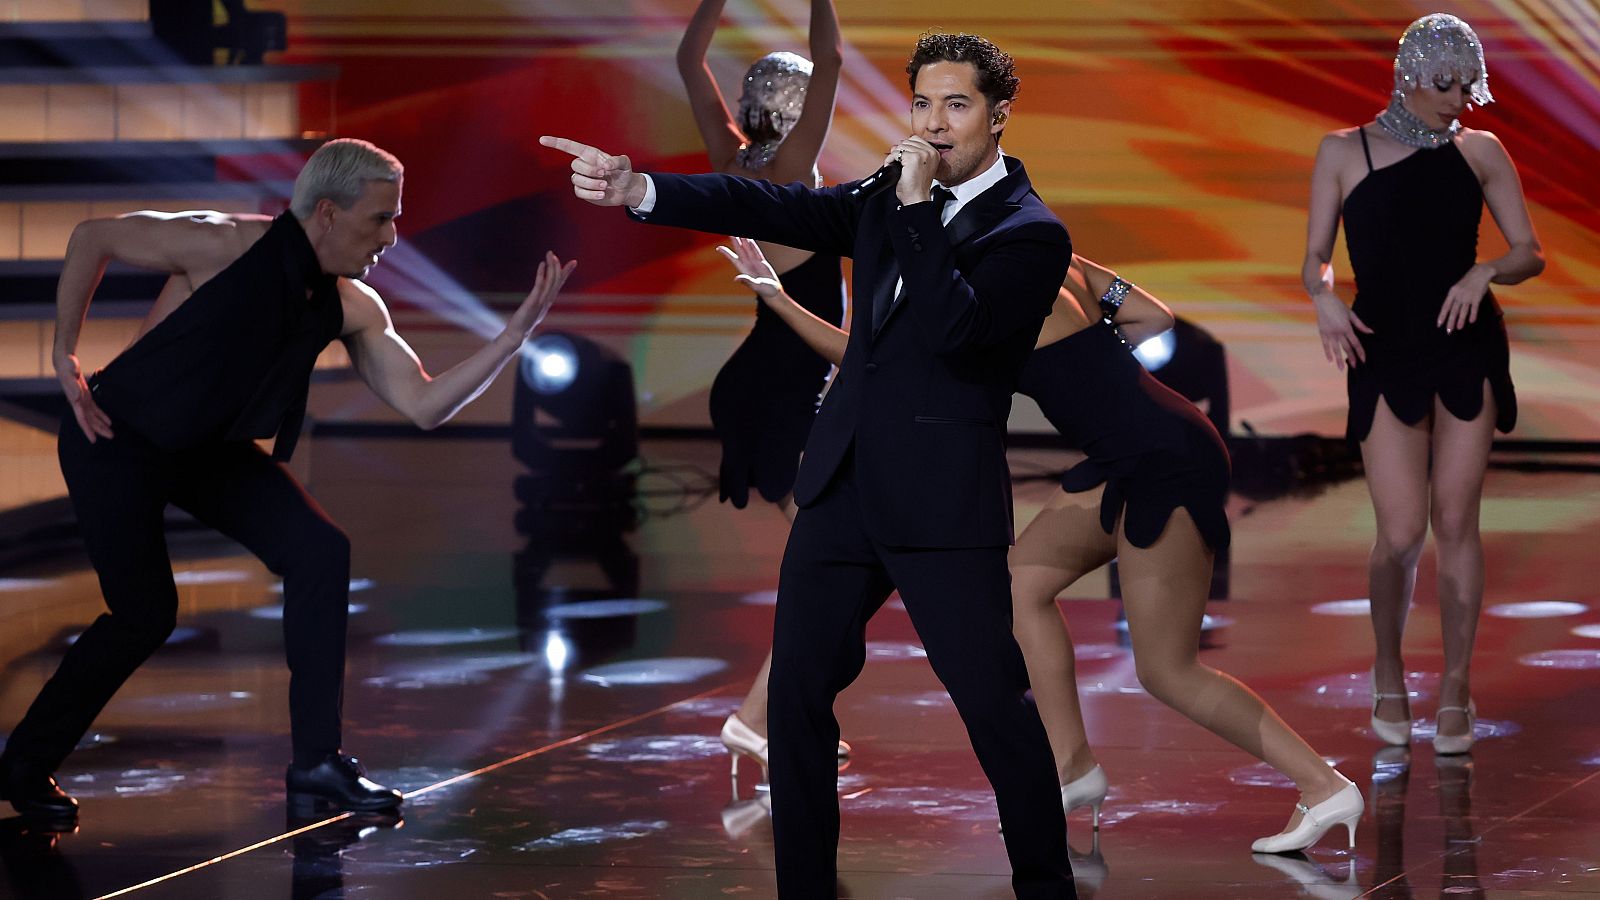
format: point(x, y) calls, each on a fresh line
point(1155, 352)
point(575, 425)
point(1188, 359)
point(550, 363)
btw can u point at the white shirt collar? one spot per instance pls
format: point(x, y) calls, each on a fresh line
point(974, 186)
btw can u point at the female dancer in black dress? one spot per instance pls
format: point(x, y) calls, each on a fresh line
point(1424, 344)
point(765, 397)
point(1150, 494)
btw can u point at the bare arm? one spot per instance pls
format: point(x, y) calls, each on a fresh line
point(827, 340)
point(718, 130)
point(390, 367)
point(1336, 323)
point(1141, 316)
point(163, 242)
point(1524, 258)
point(797, 157)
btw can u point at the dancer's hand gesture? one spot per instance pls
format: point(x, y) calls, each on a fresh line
point(754, 270)
point(599, 177)
point(91, 418)
point(1337, 325)
point(1461, 305)
point(547, 284)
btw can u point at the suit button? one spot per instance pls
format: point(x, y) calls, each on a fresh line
point(911, 230)
point(916, 245)
point(872, 367)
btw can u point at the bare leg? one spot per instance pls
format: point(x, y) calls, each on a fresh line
point(1164, 590)
point(1460, 456)
point(753, 711)
point(1062, 544)
point(1395, 456)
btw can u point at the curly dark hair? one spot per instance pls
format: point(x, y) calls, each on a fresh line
point(997, 78)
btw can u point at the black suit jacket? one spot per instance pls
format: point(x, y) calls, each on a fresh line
point(925, 400)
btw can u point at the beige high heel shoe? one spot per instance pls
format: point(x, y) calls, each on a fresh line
point(1397, 734)
point(1088, 790)
point(1449, 744)
point(742, 740)
point(1343, 808)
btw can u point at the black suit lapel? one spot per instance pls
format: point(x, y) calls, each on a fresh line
point(979, 216)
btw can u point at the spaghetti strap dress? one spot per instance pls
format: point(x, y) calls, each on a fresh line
point(1411, 229)
point(765, 396)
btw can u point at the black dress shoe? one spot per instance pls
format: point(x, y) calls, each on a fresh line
point(33, 792)
point(339, 782)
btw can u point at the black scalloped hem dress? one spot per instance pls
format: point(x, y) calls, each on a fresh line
point(1411, 229)
point(764, 398)
point(1152, 449)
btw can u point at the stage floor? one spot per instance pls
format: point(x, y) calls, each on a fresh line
point(558, 746)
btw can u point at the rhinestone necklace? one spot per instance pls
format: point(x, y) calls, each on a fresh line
point(1404, 126)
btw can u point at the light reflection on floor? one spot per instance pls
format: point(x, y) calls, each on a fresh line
point(605, 709)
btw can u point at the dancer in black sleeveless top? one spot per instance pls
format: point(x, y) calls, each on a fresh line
point(1424, 343)
point(1151, 494)
point(764, 398)
point(223, 359)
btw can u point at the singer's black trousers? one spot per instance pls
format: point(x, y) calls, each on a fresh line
point(834, 577)
point(120, 488)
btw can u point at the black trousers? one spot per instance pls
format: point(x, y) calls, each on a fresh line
point(834, 578)
point(119, 489)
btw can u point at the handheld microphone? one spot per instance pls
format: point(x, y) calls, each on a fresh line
point(877, 181)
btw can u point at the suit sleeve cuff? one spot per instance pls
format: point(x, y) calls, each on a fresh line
point(649, 201)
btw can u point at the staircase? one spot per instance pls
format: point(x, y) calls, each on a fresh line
point(98, 118)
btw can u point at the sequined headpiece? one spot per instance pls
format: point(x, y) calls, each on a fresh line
point(1437, 50)
point(774, 92)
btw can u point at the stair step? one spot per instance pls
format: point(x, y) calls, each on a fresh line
point(54, 44)
point(150, 162)
point(59, 11)
point(141, 191)
point(150, 110)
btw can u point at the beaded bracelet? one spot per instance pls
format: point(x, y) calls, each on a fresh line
point(1111, 300)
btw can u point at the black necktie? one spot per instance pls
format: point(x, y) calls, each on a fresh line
point(885, 299)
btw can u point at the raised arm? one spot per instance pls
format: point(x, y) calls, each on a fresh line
point(391, 368)
point(754, 270)
point(821, 220)
point(797, 156)
point(1524, 258)
point(1141, 316)
point(164, 242)
point(1336, 323)
point(718, 130)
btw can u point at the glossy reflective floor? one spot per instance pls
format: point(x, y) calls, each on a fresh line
point(554, 711)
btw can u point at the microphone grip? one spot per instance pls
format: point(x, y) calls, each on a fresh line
point(877, 181)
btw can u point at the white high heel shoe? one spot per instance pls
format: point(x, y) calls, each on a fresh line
point(1343, 808)
point(1449, 744)
point(742, 740)
point(1088, 790)
point(1397, 734)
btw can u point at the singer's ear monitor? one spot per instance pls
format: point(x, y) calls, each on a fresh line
point(1000, 118)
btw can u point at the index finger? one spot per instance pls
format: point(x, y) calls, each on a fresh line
point(566, 145)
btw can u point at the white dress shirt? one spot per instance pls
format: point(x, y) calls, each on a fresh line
point(964, 192)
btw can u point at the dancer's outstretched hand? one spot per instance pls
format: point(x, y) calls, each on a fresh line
point(754, 270)
point(547, 284)
point(599, 177)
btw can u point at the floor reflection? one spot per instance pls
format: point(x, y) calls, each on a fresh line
point(552, 706)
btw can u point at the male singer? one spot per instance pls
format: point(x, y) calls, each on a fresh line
point(904, 482)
